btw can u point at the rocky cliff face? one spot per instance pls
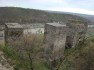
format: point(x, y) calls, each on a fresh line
point(4, 65)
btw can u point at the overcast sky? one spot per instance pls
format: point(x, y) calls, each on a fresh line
point(77, 6)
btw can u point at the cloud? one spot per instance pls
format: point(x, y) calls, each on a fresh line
point(74, 10)
point(48, 1)
point(77, 6)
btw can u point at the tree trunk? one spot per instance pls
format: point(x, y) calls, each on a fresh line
point(31, 65)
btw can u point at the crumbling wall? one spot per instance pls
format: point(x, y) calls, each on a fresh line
point(2, 35)
point(2, 38)
point(76, 33)
point(55, 38)
point(58, 37)
point(12, 34)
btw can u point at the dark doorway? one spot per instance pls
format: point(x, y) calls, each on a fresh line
point(68, 42)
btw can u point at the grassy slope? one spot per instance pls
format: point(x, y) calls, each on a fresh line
point(80, 59)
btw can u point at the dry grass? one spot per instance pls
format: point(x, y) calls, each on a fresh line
point(29, 48)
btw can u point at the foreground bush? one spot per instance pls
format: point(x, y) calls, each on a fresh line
point(26, 53)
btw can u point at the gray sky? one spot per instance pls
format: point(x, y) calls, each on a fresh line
point(77, 6)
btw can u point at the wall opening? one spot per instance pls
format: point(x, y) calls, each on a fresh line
point(68, 42)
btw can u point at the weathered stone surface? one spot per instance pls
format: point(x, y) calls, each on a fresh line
point(58, 37)
point(76, 33)
point(10, 31)
point(55, 38)
point(2, 35)
point(4, 65)
point(13, 31)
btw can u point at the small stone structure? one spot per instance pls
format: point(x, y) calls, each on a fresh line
point(2, 35)
point(9, 31)
point(13, 31)
point(58, 37)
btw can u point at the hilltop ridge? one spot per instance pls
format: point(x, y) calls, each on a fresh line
point(23, 15)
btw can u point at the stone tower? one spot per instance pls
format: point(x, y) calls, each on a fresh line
point(13, 31)
point(55, 38)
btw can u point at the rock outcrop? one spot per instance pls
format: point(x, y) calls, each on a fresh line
point(4, 65)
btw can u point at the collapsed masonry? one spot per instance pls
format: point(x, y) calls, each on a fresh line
point(61, 36)
point(4, 63)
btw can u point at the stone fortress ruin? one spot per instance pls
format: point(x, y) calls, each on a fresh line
point(61, 36)
point(57, 37)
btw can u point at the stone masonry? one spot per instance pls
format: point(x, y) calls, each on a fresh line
point(10, 32)
point(13, 31)
point(76, 33)
point(2, 35)
point(58, 37)
point(55, 38)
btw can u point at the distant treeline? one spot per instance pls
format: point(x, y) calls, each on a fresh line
point(21, 15)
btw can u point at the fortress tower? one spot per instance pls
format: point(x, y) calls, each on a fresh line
point(59, 36)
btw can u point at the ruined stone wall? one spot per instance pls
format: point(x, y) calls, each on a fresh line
point(2, 38)
point(76, 33)
point(55, 38)
point(12, 34)
point(2, 35)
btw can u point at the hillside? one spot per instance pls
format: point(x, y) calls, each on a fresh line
point(22, 15)
point(90, 18)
